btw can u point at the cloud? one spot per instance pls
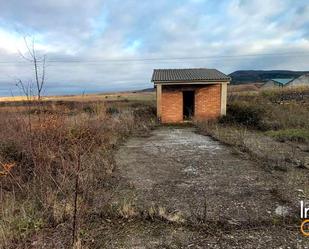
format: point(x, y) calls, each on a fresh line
point(95, 33)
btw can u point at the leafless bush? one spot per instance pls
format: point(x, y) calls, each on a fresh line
point(54, 163)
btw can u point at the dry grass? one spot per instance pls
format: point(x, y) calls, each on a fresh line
point(253, 87)
point(272, 129)
point(127, 210)
point(161, 213)
point(130, 96)
point(45, 147)
point(253, 122)
point(272, 109)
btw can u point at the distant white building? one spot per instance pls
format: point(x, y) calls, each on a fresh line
point(275, 83)
point(302, 80)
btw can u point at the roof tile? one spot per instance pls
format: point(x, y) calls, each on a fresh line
point(193, 74)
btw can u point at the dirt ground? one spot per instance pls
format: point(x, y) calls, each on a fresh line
point(216, 197)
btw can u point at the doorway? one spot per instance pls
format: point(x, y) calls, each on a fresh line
point(188, 105)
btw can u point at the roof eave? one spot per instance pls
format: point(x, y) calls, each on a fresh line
point(173, 82)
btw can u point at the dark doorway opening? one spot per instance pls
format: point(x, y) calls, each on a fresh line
point(188, 105)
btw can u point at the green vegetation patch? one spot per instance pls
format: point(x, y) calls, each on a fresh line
point(244, 114)
point(299, 135)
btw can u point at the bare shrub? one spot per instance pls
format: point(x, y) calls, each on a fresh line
point(60, 157)
point(244, 114)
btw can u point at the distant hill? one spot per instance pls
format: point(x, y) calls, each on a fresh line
point(146, 90)
point(251, 76)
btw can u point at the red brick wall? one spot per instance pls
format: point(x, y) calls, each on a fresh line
point(208, 102)
point(172, 110)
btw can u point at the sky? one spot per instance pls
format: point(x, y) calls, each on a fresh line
point(114, 45)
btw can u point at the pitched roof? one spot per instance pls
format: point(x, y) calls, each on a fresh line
point(193, 74)
point(283, 81)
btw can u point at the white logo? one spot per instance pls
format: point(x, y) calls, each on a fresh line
point(304, 214)
point(304, 211)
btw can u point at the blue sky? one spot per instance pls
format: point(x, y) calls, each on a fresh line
point(92, 45)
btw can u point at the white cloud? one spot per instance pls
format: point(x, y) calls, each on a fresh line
point(10, 41)
point(111, 29)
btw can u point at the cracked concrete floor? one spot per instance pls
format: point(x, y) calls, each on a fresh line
point(194, 175)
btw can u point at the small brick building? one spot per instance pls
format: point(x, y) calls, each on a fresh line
point(190, 94)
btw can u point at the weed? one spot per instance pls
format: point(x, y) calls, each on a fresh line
point(252, 119)
point(127, 210)
point(112, 110)
point(298, 135)
point(40, 151)
point(243, 114)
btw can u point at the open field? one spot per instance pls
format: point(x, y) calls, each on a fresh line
point(253, 87)
point(103, 171)
point(91, 97)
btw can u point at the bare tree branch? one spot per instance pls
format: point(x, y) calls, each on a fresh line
point(39, 65)
point(43, 75)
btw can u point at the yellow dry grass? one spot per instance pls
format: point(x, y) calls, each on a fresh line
point(142, 96)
